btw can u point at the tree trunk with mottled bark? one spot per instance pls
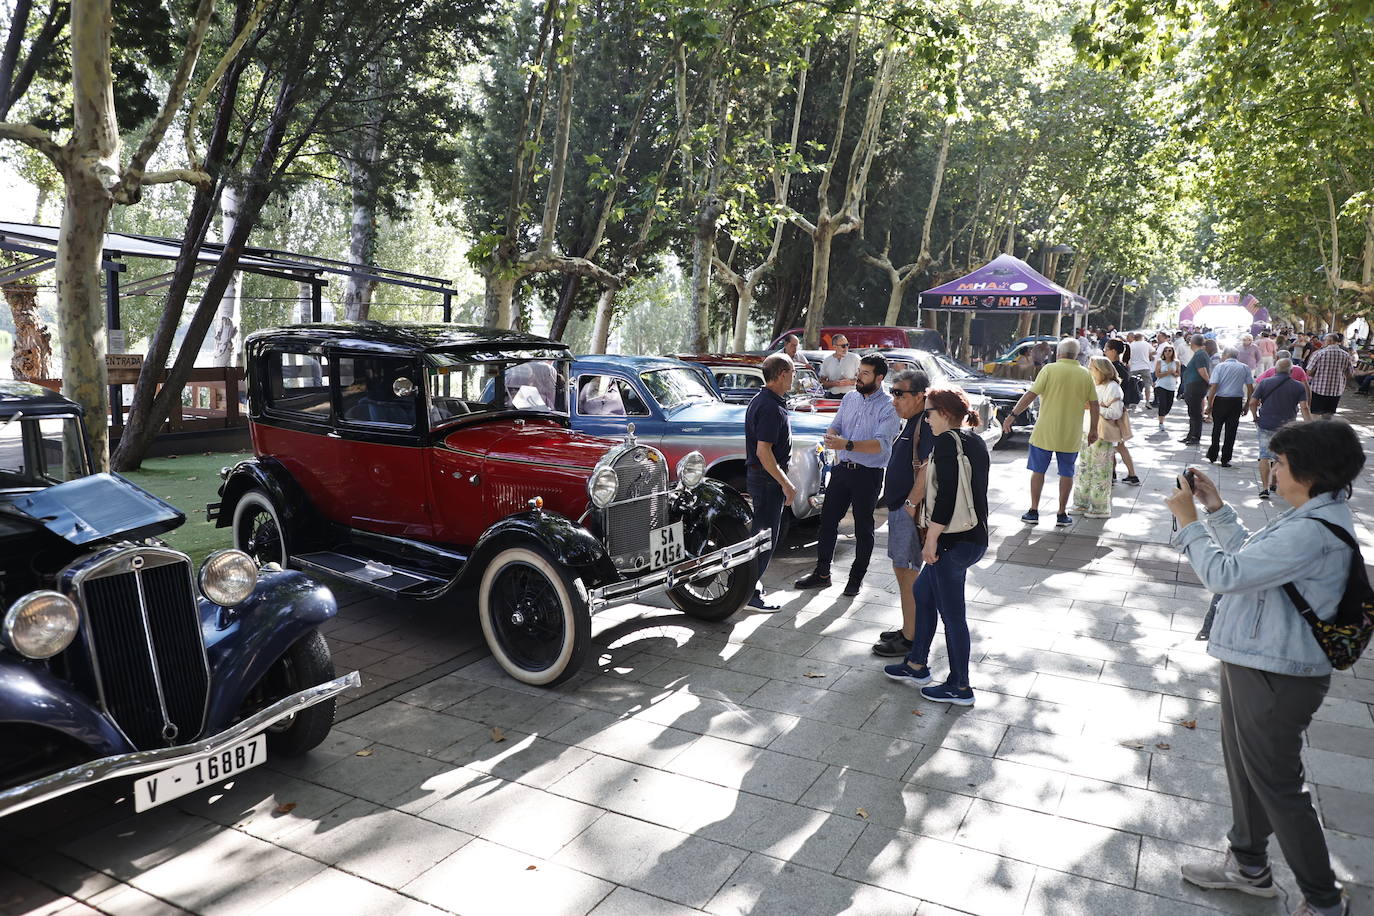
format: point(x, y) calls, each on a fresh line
point(32, 357)
point(601, 327)
point(365, 154)
point(229, 318)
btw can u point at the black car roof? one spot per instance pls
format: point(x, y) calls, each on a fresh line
point(33, 400)
point(406, 337)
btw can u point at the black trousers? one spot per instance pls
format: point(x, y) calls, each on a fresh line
point(1225, 421)
point(855, 488)
point(1263, 717)
point(1194, 393)
point(1164, 401)
point(766, 495)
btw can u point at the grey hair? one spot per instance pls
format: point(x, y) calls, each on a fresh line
point(1197, 340)
point(1067, 348)
point(1229, 353)
point(1285, 354)
point(1284, 365)
point(918, 379)
point(791, 338)
point(775, 365)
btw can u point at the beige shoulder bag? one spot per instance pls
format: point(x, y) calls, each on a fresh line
point(965, 517)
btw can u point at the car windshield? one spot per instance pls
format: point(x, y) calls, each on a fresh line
point(456, 389)
point(40, 451)
point(806, 383)
point(954, 368)
point(675, 387)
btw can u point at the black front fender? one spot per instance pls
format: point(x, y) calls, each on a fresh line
point(568, 542)
point(709, 501)
point(268, 475)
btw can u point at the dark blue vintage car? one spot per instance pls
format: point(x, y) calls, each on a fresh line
point(673, 407)
point(117, 659)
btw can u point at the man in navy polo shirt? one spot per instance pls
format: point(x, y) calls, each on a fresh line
point(767, 449)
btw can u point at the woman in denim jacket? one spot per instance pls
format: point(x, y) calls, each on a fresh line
point(1274, 675)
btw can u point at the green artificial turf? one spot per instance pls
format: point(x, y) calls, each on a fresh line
point(189, 482)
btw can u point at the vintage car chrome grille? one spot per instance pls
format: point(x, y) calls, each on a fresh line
point(142, 629)
point(641, 505)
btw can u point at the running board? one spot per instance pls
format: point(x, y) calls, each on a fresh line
point(372, 574)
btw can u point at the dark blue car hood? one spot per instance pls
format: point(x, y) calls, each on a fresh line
point(93, 508)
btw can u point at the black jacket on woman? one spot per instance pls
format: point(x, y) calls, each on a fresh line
point(945, 460)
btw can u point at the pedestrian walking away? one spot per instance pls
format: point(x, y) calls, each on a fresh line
point(1248, 353)
point(1268, 351)
point(1275, 402)
point(862, 433)
point(1274, 674)
point(1196, 376)
point(1141, 363)
point(767, 449)
point(956, 512)
point(1230, 387)
point(1328, 370)
point(1167, 372)
point(1117, 354)
point(903, 489)
point(840, 370)
point(1065, 390)
point(1093, 483)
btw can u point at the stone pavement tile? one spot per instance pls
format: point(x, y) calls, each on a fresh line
point(58, 872)
point(629, 739)
point(1329, 768)
point(1351, 856)
point(263, 804)
point(1171, 682)
point(338, 745)
point(1058, 843)
point(19, 894)
point(136, 844)
point(680, 867)
point(742, 766)
point(342, 894)
point(440, 694)
point(1025, 712)
point(626, 902)
point(1189, 779)
point(805, 836)
point(411, 728)
point(777, 639)
point(124, 900)
point(1133, 617)
point(1350, 688)
point(989, 637)
point(386, 847)
point(857, 653)
point(891, 802)
point(934, 725)
point(1101, 699)
point(938, 871)
point(986, 675)
point(226, 871)
point(484, 879)
point(1058, 894)
point(500, 707)
point(984, 777)
point(387, 776)
point(703, 680)
point(814, 703)
point(615, 695)
point(1070, 666)
point(1141, 811)
point(669, 799)
point(1345, 712)
point(1344, 739)
point(1190, 743)
point(400, 667)
point(858, 750)
point(519, 817)
point(1206, 714)
point(1078, 756)
point(1158, 874)
point(1109, 650)
point(790, 669)
point(1347, 811)
point(764, 886)
point(517, 757)
point(722, 719)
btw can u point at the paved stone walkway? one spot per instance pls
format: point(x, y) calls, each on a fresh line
point(762, 765)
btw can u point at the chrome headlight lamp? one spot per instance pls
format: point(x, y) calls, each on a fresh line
point(40, 624)
point(691, 470)
point(228, 577)
point(603, 487)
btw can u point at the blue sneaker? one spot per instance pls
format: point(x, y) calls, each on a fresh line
point(902, 672)
point(1063, 520)
point(1032, 516)
point(944, 693)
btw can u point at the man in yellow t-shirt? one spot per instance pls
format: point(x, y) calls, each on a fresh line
point(1065, 390)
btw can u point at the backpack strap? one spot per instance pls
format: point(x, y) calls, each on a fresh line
point(1291, 590)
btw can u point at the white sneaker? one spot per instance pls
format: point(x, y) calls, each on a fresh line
point(1228, 876)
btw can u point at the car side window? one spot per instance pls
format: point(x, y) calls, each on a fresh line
point(608, 396)
point(368, 390)
point(738, 380)
point(298, 383)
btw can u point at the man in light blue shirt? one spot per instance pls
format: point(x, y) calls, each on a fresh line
point(1229, 388)
point(862, 434)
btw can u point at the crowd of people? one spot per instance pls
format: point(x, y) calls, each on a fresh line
point(913, 451)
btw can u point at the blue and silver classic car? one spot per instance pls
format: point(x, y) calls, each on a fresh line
point(673, 407)
point(117, 658)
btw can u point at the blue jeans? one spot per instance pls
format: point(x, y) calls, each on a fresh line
point(939, 590)
point(766, 495)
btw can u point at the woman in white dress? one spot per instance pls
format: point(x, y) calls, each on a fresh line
point(1093, 482)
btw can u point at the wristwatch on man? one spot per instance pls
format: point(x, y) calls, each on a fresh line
point(849, 445)
point(909, 504)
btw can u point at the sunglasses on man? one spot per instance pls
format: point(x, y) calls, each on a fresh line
point(902, 392)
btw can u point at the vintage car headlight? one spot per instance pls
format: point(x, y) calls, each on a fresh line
point(41, 624)
point(691, 470)
point(603, 487)
point(228, 577)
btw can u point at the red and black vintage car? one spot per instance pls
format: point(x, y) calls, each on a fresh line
point(424, 461)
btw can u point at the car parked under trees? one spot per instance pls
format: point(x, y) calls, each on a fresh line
point(421, 461)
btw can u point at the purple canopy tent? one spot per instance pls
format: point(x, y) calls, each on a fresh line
point(1005, 285)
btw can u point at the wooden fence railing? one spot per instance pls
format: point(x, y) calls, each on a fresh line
point(210, 400)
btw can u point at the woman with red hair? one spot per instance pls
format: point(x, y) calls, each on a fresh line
point(956, 508)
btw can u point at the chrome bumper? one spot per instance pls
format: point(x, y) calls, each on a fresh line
point(137, 762)
point(710, 564)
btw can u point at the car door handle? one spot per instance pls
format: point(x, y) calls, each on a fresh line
point(332, 434)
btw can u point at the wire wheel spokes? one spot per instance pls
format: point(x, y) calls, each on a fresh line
point(264, 542)
point(715, 587)
point(528, 616)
